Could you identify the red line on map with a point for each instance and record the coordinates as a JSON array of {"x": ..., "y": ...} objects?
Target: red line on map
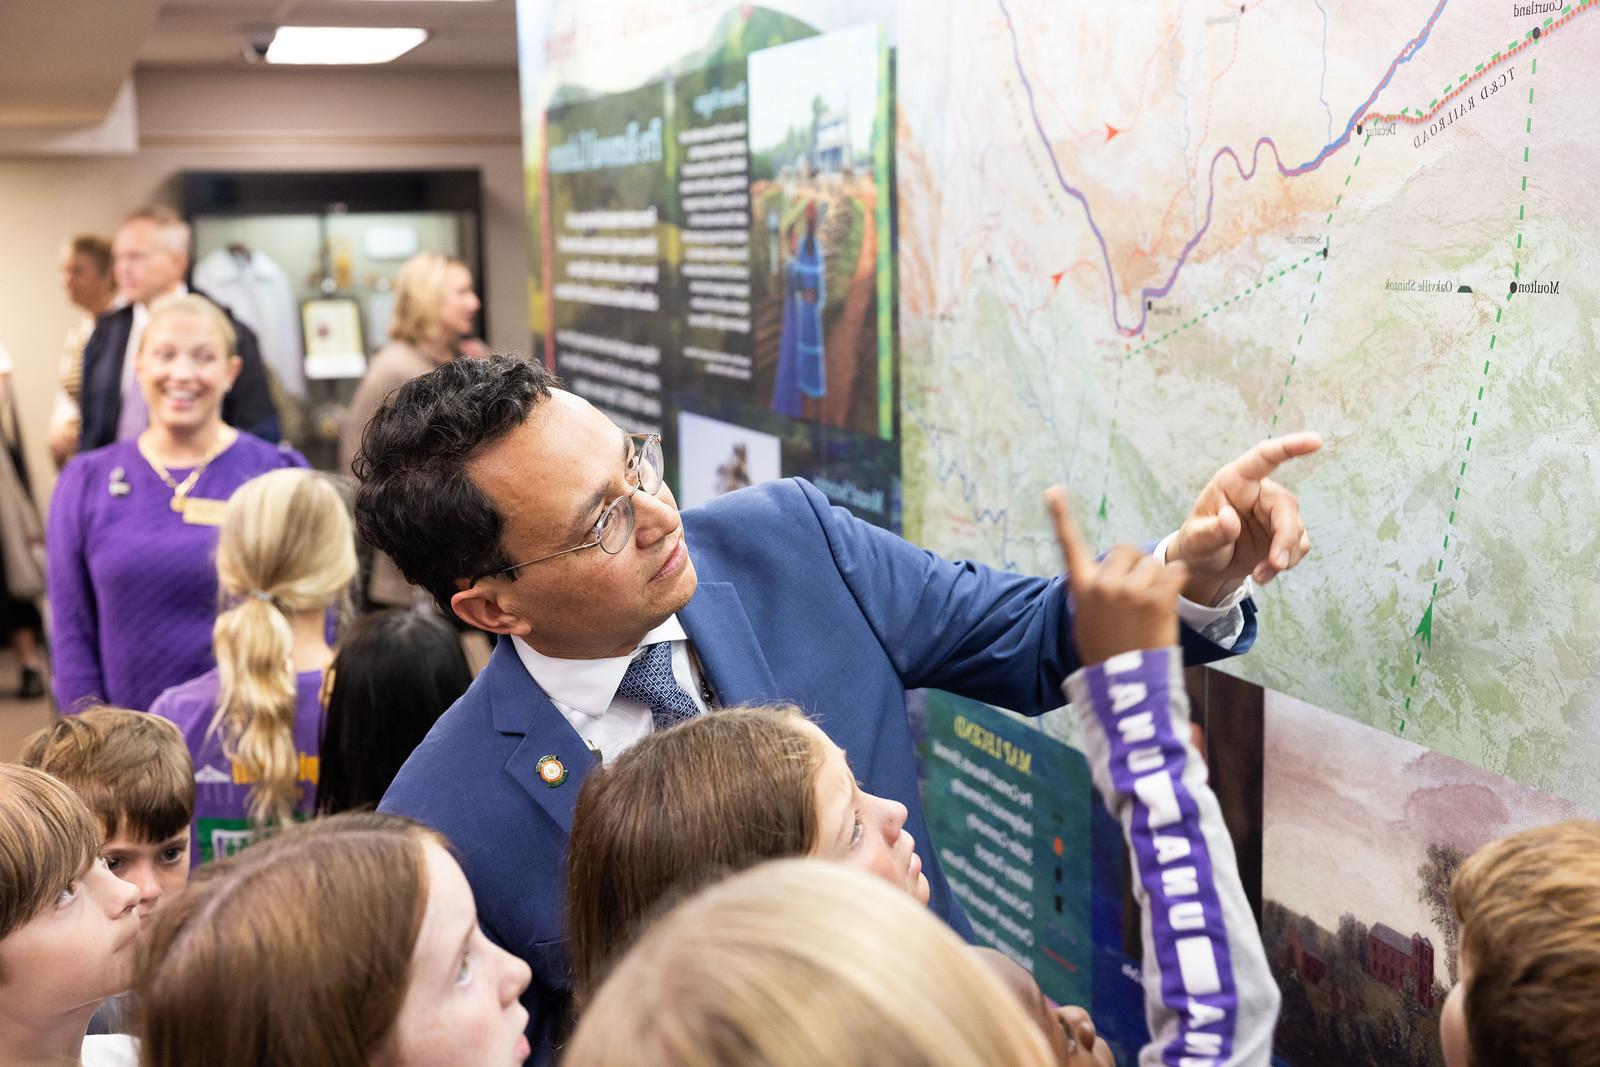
[{"x": 1493, "y": 64}]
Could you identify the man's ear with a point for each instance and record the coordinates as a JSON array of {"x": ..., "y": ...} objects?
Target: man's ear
[{"x": 478, "y": 606}]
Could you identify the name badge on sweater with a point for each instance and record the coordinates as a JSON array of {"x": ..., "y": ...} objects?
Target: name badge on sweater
[{"x": 203, "y": 511}]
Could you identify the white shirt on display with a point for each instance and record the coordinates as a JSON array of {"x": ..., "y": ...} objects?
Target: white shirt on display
[{"x": 258, "y": 293}]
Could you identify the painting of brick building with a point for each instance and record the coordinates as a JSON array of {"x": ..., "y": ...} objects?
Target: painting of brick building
[
  {"x": 1305, "y": 959},
  {"x": 1362, "y": 833},
  {"x": 1392, "y": 958}
]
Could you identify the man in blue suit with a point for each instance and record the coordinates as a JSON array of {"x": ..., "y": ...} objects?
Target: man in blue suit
[{"x": 531, "y": 515}]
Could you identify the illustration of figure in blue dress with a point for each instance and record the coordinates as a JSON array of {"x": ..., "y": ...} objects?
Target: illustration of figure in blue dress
[{"x": 801, "y": 368}]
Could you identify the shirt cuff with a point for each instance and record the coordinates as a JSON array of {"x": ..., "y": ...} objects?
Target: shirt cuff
[{"x": 1220, "y": 623}]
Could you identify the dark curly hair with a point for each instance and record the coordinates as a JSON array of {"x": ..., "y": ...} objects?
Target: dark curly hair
[{"x": 415, "y": 500}]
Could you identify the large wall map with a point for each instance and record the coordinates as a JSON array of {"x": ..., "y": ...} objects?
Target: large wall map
[{"x": 1122, "y": 264}]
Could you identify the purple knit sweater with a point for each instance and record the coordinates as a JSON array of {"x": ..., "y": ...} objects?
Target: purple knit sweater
[{"x": 132, "y": 587}]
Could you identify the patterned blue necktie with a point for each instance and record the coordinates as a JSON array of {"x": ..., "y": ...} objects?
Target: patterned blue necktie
[{"x": 649, "y": 681}]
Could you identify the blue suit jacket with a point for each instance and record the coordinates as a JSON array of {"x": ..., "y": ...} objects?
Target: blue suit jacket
[{"x": 797, "y": 601}]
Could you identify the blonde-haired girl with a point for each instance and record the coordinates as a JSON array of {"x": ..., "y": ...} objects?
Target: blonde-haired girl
[
  {"x": 285, "y": 560},
  {"x": 802, "y": 962}
]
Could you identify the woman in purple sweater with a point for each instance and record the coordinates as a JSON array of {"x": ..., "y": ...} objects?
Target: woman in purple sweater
[
  {"x": 133, "y": 525},
  {"x": 253, "y": 723}
]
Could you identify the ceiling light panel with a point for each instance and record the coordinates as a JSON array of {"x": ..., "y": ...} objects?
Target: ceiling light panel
[{"x": 343, "y": 44}]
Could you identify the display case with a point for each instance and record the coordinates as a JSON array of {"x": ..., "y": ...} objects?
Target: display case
[{"x": 308, "y": 258}]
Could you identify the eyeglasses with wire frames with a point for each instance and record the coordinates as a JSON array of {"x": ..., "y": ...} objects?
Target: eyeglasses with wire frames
[{"x": 614, "y": 529}]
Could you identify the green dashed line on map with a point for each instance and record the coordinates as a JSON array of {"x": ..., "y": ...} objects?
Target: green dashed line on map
[
  {"x": 1294, "y": 355},
  {"x": 1554, "y": 22},
  {"x": 1422, "y": 636},
  {"x": 1104, "y": 509},
  {"x": 1269, "y": 278},
  {"x": 1111, "y": 436}
]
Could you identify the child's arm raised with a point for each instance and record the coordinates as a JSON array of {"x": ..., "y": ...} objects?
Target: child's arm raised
[{"x": 1209, "y": 996}]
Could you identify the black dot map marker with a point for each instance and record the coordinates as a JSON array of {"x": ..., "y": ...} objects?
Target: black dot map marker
[
  {"x": 1536, "y": 33},
  {"x": 1513, "y": 289},
  {"x": 1358, "y": 129}
]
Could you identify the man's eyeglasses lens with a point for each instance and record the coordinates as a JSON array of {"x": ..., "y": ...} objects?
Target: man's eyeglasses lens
[{"x": 615, "y": 528}]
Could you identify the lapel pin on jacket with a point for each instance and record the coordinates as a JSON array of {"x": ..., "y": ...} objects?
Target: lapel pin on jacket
[
  {"x": 119, "y": 485},
  {"x": 551, "y": 771}
]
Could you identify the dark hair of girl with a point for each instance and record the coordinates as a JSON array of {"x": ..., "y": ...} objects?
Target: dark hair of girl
[{"x": 394, "y": 675}]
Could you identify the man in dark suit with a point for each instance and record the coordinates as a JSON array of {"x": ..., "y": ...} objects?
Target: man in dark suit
[
  {"x": 529, "y": 514},
  {"x": 150, "y": 256}
]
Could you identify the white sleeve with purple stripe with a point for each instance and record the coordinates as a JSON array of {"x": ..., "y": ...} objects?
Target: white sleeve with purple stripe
[{"x": 1209, "y": 997}]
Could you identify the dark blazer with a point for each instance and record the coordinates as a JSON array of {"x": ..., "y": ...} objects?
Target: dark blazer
[
  {"x": 796, "y": 601},
  {"x": 247, "y": 406}
]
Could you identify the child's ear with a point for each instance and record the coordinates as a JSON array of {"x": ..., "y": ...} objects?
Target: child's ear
[{"x": 1453, "y": 1040}]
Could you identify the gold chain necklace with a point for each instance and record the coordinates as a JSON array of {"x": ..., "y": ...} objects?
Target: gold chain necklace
[{"x": 181, "y": 490}]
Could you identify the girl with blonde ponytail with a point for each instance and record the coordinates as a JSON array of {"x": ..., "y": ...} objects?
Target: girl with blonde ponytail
[{"x": 285, "y": 560}]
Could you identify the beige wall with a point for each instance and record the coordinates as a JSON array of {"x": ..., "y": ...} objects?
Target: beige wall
[{"x": 255, "y": 119}]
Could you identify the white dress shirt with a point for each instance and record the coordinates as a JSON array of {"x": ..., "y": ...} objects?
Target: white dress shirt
[
  {"x": 141, "y": 315},
  {"x": 1220, "y": 623},
  {"x": 584, "y": 691}
]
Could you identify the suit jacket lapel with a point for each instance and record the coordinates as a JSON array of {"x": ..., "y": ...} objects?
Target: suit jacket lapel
[
  {"x": 720, "y": 631},
  {"x": 102, "y": 381},
  {"x": 733, "y": 661},
  {"x": 520, "y": 707}
]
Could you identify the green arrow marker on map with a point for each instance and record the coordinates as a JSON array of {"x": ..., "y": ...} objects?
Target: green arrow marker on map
[{"x": 1425, "y": 627}]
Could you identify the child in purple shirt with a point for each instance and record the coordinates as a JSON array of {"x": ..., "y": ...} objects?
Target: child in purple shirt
[
  {"x": 286, "y": 556},
  {"x": 221, "y": 786}
]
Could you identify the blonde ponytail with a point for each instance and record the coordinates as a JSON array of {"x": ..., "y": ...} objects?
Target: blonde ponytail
[
  {"x": 286, "y": 547},
  {"x": 256, "y": 706}
]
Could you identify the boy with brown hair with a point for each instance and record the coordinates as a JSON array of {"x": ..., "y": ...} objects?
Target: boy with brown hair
[
  {"x": 68, "y": 927},
  {"x": 1529, "y": 908},
  {"x": 134, "y": 772}
]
